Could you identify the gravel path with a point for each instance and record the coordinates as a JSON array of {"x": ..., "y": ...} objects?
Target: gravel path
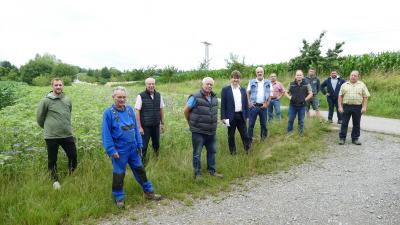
[{"x": 349, "y": 185}]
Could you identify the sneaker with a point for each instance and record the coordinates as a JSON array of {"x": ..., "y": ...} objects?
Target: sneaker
[
  {"x": 356, "y": 142},
  {"x": 341, "y": 142},
  {"x": 330, "y": 121},
  {"x": 339, "y": 122},
  {"x": 152, "y": 196},
  {"x": 56, "y": 185},
  {"x": 120, "y": 204},
  {"x": 215, "y": 174}
]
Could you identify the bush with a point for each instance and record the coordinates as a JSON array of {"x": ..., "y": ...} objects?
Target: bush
[
  {"x": 9, "y": 92},
  {"x": 67, "y": 81},
  {"x": 41, "y": 80}
]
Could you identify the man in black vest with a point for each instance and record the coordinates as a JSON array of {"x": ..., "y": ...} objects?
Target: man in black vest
[
  {"x": 299, "y": 92},
  {"x": 201, "y": 112},
  {"x": 150, "y": 116}
]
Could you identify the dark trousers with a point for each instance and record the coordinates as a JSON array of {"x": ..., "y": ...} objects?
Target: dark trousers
[
  {"x": 152, "y": 132},
  {"x": 353, "y": 111},
  {"x": 332, "y": 103},
  {"x": 239, "y": 123},
  {"x": 68, "y": 144}
]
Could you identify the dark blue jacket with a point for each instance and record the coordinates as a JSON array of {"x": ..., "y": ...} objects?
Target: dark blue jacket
[
  {"x": 327, "y": 84},
  {"x": 228, "y": 103}
]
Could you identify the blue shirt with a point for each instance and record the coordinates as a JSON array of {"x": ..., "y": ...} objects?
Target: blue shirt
[{"x": 191, "y": 103}]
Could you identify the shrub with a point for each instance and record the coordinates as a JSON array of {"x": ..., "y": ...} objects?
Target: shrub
[
  {"x": 41, "y": 80},
  {"x": 9, "y": 92}
]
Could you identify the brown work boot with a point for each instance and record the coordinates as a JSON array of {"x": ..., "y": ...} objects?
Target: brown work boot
[
  {"x": 215, "y": 174},
  {"x": 120, "y": 204},
  {"x": 152, "y": 196}
]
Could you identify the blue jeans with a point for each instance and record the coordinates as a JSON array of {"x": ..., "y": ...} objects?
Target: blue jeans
[
  {"x": 198, "y": 141},
  {"x": 253, "y": 113},
  {"x": 293, "y": 111},
  {"x": 274, "y": 104}
]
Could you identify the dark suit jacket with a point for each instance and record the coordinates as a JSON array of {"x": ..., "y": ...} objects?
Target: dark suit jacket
[
  {"x": 228, "y": 103},
  {"x": 327, "y": 84}
]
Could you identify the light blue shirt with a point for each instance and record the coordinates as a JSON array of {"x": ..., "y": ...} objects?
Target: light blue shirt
[{"x": 191, "y": 103}]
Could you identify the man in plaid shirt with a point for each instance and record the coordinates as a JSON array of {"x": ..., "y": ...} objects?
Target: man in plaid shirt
[{"x": 353, "y": 97}]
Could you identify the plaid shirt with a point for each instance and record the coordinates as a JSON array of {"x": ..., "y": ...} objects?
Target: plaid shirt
[{"x": 353, "y": 94}]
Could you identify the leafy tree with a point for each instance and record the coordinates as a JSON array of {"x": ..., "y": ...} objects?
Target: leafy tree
[
  {"x": 233, "y": 63},
  {"x": 40, "y": 65},
  {"x": 105, "y": 73},
  {"x": 64, "y": 70},
  {"x": 310, "y": 56}
]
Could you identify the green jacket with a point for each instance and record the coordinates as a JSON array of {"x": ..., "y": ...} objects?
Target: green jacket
[{"x": 54, "y": 116}]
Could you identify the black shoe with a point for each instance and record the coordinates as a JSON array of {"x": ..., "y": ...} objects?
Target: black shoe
[
  {"x": 339, "y": 122},
  {"x": 356, "y": 142},
  {"x": 341, "y": 142}
]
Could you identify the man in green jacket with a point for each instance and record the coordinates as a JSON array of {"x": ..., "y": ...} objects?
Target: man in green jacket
[{"x": 54, "y": 116}]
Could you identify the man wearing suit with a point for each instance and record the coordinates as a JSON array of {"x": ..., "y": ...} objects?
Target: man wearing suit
[
  {"x": 332, "y": 84},
  {"x": 234, "y": 112}
]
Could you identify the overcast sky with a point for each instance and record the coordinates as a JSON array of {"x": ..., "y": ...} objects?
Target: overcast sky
[{"x": 129, "y": 34}]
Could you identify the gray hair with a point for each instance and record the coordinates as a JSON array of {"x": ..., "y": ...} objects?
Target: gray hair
[
  {"x": 205, "y": 79},
  {"x": 356, "y": 72},
  {"x": 150, "y": 79},
  {"x": 119, "y": 88}
]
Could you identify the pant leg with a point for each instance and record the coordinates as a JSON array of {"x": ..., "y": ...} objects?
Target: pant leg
[
  {"x": 241, "y": 126},
  {"x": 277, "y": 106},
  {"x": 291, "y": 118},
  {"x": 253, "y": 112},
  {"x": 155, "y": 138},
  {"x": 146, "y": 138},
  {"x": 331, "y": 105},
  {"x": 197, "y": 143},
  {"x": 231, "y": 135},
  {"x": 271, "y": 111},
  {"x": 68, "y": 144},
  {"x": 210, "y": 145},
  {"x": 345, "y": 122},
  {"x": 356, "y": 116},
  {"x": 263, "y": 123},
  {"x": 138, "y": 171},
  {"x": 52, "y": 153},
  {"x": 301, "y": 114},
  {"x": 119, "y": 168},
  {"x": 336, "y": 104}
]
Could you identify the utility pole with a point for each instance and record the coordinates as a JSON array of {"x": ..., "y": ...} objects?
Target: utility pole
[{"x": 206, "y": 58}]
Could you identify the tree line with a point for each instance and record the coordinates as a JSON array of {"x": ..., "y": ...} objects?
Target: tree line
[{"x": 42, "y": 68}]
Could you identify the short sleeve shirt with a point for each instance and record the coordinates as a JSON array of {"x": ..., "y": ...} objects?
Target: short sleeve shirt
[
  {"x": 353, "y": 94},
  {"x": 138, "y": 105}
]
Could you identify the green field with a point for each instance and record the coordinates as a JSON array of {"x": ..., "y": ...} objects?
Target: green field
[{"x": 27, "y": 196}]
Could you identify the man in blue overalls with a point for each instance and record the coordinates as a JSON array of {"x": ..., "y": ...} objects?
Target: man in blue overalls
[{"x": 122, "y": 142}]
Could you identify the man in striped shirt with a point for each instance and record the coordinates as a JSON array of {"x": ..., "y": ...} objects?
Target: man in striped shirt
[{"x": 353, "y": 98}]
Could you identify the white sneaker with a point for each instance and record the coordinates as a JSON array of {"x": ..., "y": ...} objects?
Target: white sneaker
[{"x": 56, "y": 185}]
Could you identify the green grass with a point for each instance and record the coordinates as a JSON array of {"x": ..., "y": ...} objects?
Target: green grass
[{"x": 27, "y": 196}]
